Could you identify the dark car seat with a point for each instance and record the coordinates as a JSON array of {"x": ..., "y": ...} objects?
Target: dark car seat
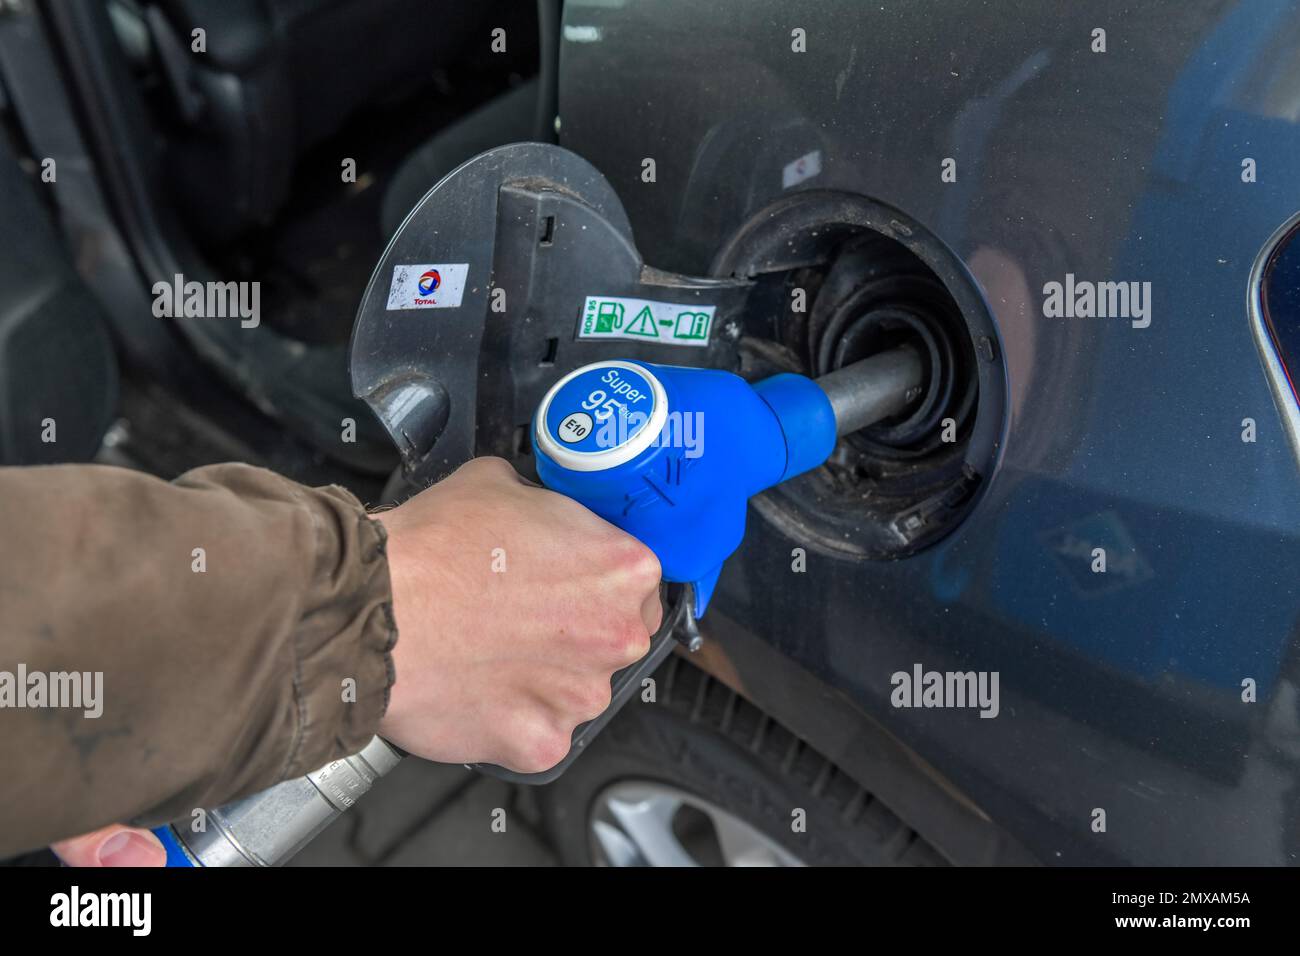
[
  {"x": 510, "y": 118},
  {"x": 281, "y": 75}
]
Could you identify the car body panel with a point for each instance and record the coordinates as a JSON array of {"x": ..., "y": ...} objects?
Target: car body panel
[{"x": 1120, "y": 691}]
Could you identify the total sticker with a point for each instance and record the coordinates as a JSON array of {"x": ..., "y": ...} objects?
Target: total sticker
[
  {"x": 643, "y": 320},
  {"x": 436, "y": 285}
]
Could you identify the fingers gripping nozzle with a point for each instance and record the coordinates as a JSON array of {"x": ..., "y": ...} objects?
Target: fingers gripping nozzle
[{"x": 672, "y": 455}]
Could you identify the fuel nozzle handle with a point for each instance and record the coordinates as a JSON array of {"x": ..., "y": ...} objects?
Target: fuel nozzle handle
[{"x": 672, "y": 455}]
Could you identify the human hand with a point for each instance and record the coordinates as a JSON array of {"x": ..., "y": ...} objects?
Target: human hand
[
  {"x": 114, "y": 845},
  {"x": 514, "y": 607}
]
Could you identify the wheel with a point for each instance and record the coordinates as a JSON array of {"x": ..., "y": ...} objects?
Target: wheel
[{"x": 702, "y": 777}]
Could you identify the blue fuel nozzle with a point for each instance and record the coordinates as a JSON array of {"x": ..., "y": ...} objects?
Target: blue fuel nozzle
[{"x": 672, "y": 455}]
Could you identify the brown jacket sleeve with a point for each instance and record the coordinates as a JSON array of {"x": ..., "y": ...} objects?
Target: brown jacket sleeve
[{"x": 221, "y": 617}]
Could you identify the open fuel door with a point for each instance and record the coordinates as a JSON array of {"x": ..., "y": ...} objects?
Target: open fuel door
[{"x": 515, "y": 269}]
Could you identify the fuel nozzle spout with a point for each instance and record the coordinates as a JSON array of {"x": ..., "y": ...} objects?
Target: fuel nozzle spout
[
  {"x": 812, "y": 414},
  {"x": 873, "y": 389}
]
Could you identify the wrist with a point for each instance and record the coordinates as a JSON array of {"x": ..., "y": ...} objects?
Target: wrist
[{"x": 401, "y": 612}]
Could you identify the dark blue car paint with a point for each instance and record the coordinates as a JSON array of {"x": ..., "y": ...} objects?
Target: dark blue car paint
[{"x": 1124, "y": 691}]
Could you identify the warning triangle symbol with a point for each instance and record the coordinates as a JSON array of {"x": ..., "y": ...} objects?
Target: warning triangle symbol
[{"x": 644, "y": 324}]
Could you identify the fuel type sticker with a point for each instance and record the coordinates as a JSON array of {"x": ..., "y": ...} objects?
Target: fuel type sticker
[
  {"x": 433, "y": 286},
  {"x": 640, "y": 320}
]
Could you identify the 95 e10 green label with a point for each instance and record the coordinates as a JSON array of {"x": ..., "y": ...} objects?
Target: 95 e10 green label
[{"x": 641, "y": 320}]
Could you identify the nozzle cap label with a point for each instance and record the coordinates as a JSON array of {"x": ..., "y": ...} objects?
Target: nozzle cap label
[{"x": 601, "y": 415}]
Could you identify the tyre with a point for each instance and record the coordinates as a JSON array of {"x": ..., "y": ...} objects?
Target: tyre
[{"x": 702, "y": 777}]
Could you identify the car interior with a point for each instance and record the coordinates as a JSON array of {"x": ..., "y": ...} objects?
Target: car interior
[{"x": 287, "y": 153}]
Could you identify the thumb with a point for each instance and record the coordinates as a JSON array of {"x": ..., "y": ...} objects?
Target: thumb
[{"x": 114, "y": 845}]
